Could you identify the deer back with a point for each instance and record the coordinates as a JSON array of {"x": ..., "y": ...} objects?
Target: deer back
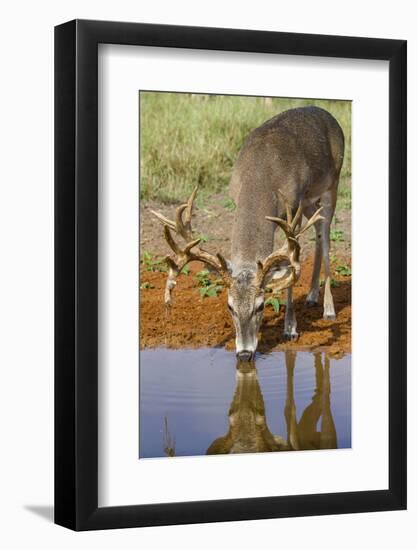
[{"x": 298, "y": 153}]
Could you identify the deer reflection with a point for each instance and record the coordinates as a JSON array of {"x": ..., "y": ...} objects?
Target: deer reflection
[
  {"x": 168, "y": 440},
  {"x": 248, "y": 429},
  {"x": 304, "y": 434}
]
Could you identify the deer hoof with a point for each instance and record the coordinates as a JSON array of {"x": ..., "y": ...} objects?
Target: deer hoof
[
  {"x": 291, "y": 336},
  {"x": 311, "y": 303},
  {"x": 329, "y": 316}
]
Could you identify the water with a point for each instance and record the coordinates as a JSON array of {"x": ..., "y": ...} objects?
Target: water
[{"x": 194, "y": 402}]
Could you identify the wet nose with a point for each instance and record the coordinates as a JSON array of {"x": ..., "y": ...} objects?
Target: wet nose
[{"x": 244, "y": 355}]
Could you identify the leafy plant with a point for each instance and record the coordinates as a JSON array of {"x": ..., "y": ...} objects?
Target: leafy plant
[
  {"x": 333, "y": 283},
  {"x": 229, "y": 204},
  {"x": 151, "y": 264},
  {"x": 274, "y": 302},
  {"x": 146, "y": 285},
  {"x": 207, "y": 287},
  {"x": 186, "y": 270},
  {"x": 343, "y": 270},
  {"x": 203, "y": 277},
  {"x": 203, "y": 238},
  {"x": 211, "y": 291},
  {"x": 337, "y": 235}
]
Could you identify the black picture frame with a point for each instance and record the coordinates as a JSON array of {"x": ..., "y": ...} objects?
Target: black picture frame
[{"x": 76, "y": 272}]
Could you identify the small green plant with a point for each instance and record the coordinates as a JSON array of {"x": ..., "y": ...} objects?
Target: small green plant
[
  {"x": 146, "y": 285},
  {"x": 186, "y": 270},
  {"x": 274, "y": 302},
  {"x": 151, "y": 264},
  {"x": 146, "y": 257},
  {"x": 203, "y": 277},
  {"x": 207, "y": 287},
  {"x": 211, "y": 291},
  {"x": 333, "y": 283},
  {"x": 343, "y": 270},
  {"x": 229, "y": 204},
  {"x": 203, "y": 238},
  {"x": 337, "y": 235}
]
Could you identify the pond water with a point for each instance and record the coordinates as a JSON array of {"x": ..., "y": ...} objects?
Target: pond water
[{"x": 197, "y": 402}]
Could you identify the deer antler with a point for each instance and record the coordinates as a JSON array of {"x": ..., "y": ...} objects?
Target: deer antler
[
  {"x": 290, "y": 252},
  {"x": 183, "y": 256}
]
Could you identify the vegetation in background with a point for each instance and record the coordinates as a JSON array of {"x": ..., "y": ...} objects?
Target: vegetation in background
[
  {"x": 150, "y": 264},
  {"x": 343, "y": 270},
  {"x": 344, "y": 194},
  {"x": 206, "y": 286},
  {"x": 333, "y": 283},
  {"x": 274, "y": 302},
  {"x": 337, "y": 235},
  {"x": 146, "y": 286},
  {"x": 229, "y": 204},
  {"x": 194, "y": 139}
]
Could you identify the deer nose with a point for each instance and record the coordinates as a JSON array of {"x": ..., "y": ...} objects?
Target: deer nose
[{"x": 244, "y": 355}]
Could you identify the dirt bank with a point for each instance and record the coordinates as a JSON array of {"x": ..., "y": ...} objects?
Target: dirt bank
[
  {"x": 193, "y": 321},
  {"x": 214, "y": 221}
]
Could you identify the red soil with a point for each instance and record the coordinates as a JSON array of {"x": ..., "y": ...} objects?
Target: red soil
[{"x": 194, "y": 322}]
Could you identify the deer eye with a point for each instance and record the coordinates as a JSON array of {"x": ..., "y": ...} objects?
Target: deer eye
[{"x": 260, "y": 308}]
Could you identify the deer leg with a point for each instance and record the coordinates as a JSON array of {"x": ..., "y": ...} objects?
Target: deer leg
[
  {"x": 328, "y": 436},
  {"x": 314, "y": 293},
  {"x": 329, "y": 312},
  {"x": 290, "y": 322},
  {"x": 329, "y": 203},
  {"x": 289, "y": 409}
]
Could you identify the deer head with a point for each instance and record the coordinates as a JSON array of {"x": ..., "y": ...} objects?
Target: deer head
[
  {"x": 246, "y": 287},
  {"x": 248, "y": 427}
]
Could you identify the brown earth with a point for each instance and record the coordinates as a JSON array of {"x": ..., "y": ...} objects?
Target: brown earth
[
  {"x": 194, "y": 322},
  {"x": 213, "y": 220}
]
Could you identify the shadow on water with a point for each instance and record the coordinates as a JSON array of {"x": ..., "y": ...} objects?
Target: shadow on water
[{"x": 195, "y": 402}]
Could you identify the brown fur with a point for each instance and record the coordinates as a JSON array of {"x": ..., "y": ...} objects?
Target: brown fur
[{"x": 300, "y": 153}]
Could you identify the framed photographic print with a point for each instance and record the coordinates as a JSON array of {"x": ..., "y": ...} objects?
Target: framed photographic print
[{"x": 230, "y": 253}]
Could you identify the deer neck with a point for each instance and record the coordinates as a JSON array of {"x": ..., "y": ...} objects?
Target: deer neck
[{"x": 252, "y": 235}]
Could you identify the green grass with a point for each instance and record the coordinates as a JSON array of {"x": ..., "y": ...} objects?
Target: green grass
[
  {"x": 344, "y": 195},
  {"x": 187, "y": 140},
  {"x": 337, "y": 235}
]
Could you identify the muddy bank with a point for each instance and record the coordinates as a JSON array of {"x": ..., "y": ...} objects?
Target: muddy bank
[{"x": 194, "y": 322}]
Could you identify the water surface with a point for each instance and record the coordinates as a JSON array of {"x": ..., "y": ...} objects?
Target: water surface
[{"x": 197, "y": 402}]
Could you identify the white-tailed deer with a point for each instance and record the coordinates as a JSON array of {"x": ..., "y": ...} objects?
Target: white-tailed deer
[{"x": 287, "y": 168}]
